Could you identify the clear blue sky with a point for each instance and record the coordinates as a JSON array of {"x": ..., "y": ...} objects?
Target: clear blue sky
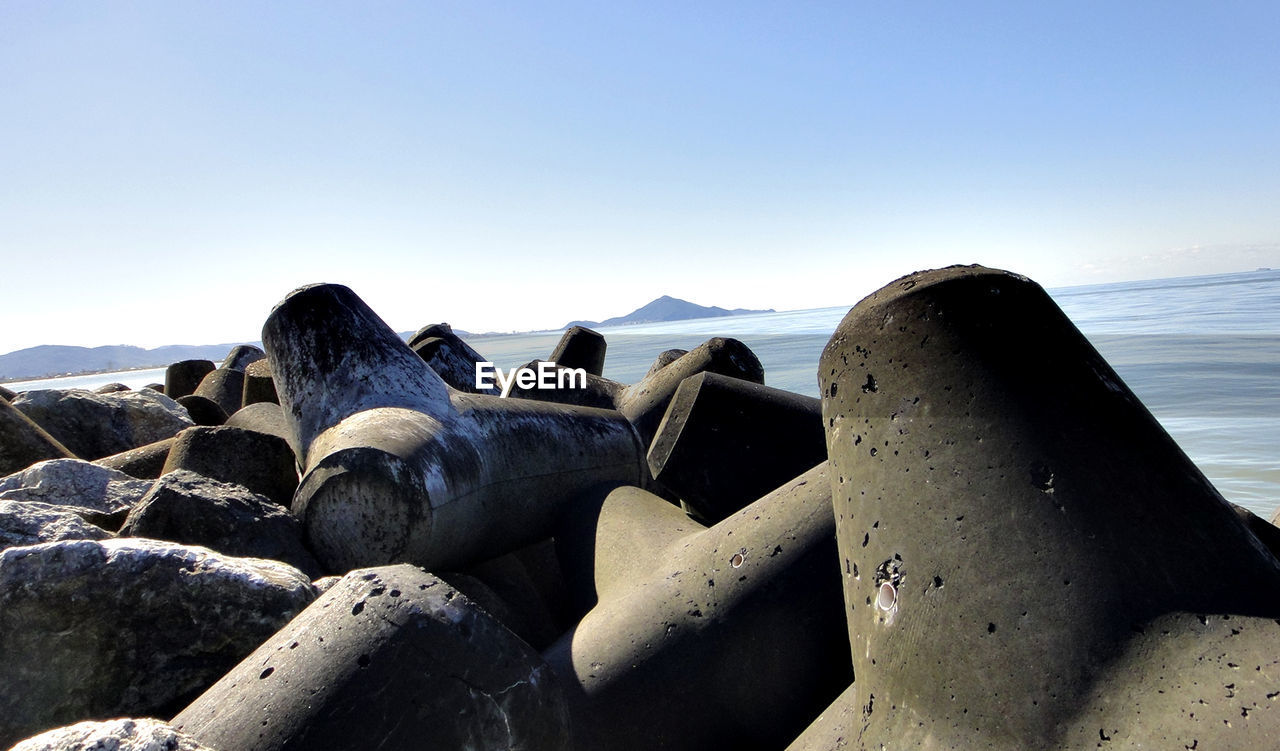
[{"x": 171, "y": 169}]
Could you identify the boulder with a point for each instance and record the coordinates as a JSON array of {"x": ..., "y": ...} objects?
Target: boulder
[
  {"x": 96, "y": 425},
  {"x": 1030, "y": 561},
  {"x": 191, "y": 509},
  {"x": 391, "y": 658},
  {"x": 99, "y": 494},
  {"x": 113, "y": 735},
  {"x": 29, "y": 523},
  {"x": 261, "y": 462},
  {"x": 181, "y": 378},
  {"x": 23, "y": 442},
  {"x": 96, "y": 629}
]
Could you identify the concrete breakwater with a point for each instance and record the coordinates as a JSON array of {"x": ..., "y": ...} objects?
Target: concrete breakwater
[{"x": 977, "y": 538}]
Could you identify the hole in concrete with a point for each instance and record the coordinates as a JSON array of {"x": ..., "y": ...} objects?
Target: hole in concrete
[{"x": 887, "y": 597}]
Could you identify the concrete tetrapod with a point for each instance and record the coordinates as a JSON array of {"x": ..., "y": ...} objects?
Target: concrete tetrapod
[
  {"x": 449, "y": 356},
  {"x": 1030, "y": 561},
  {"x": 728, "y": 637},
  {"x": 724, "y": 442},
  {"x": 388, "y": 658},
  {"x": 581, "y": 347},
  {"x": 398, "y": 466}
]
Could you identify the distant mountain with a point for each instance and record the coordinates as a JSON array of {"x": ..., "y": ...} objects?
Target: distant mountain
[
  {"x": 54, "y": 359},
  {"x": 666, "y": 308}
]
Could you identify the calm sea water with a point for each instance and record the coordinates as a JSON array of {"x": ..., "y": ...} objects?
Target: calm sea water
[{"x": 1203, "y": 353}]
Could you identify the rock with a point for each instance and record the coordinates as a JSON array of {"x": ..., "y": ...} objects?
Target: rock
[
  {"x": 182, "y": 378},
  {"x": 728, "y": 637},
  {"x": 242, "y": 356},
  {"x": 258, "y": 384},
  {"x": 27, "y": 523},
  {"x": 224, "y": 387},
  {"x": 397, "y": 466},
  {"x": 101, "y": 495},
  {"x": 203, "y": 410},
  {"x": 96, "y": 425},
  {"x": 23, "y": 442},
  {"x": 580, "y": 347},
  {"x": 155, "y": 387},
  {"x": 724, "y": 442},
  {"x": 145, "y": 462},
  {"x": 113, "y": 735},
  {"x": 95, "y": 629},
  {"x": 191, "y": 509},
  {"x": 111, "y": 388},
  {"x": 1031, "y": 561},
  {"x": 261, "y": 462},
  {"x": 664, "y": 359},
  {"x": 391, "y": 657}
]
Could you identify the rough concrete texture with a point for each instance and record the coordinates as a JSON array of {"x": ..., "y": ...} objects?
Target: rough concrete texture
[
  {"x": 258, "y": 383},
  {"x": 181, "y": 378},
  {"x": 23, "y": 442},
  {"x": 266, "y": 418},
  {"x": 397, "y": 466},
  {"x": 449, "y": 356},
  {"x": 581, "y": 347},
  {"x": 1030, "y": 562},
  {"x": 93, "y": 425},
  {"x": 259, "y": 461},
  {"x": 728, "y": 637},
  {"x": 203, "y": 410},
  {"x": 100, "y": 494},
  {"x": 242, "y": 356},
  {"x": 145, "y": 462},
  {"x": 95, "y": 629},
  {"x": 724, "y": 442},
  {"x": 192, "y": 509},
  {"x": 665, "y": 358},
  {"x": 834, "y": 729},
  {"x": 391, "y": 658},
  {"x": 30, "y": 523},
  {"x": 113, "y": 735},
  {"x": 224, "y": 387}
]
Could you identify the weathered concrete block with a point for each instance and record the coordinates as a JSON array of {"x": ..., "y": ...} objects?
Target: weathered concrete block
[
  {"x": 99, "y": 494},
  {"x": 724, "y": 442},
  {"x": 242, "y": 356},
  {"x": 224, "y": 387},
  {"x": 30, "y": 523},
  {"x": 390, "y": 657},
  {"x": 728, "y": 637},
  {"x": 259, "y": 461},
  {"x": 23, "y": 442},
  {"x": 93, "y": 425},
  {"x": 203, "y": 410},
  {"x": 111, "y": 388},
  {"x": 664, "y": 359},
  {"x": 258, "y": 384},
  {"x": 145, "y": 462},
  {"x": 191, "y": 509},
  {"x": 95, "y": 629},
  {"x": 181, "y": 378},
  {"x": 581, "y": 347},
  {"x": 449, "y": 356},
  {"x": 1030, "y": 562},
  {"x": 397, "y": 466},
  {"x": 113, "y": 735}
]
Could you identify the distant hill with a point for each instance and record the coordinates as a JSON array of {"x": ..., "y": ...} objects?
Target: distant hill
[
  {"x": 55, "y": 359},
  {"x": 666, "y": 308}
]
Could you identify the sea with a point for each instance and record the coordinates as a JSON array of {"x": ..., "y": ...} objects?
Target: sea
[{"x": 1203, "y": 353}]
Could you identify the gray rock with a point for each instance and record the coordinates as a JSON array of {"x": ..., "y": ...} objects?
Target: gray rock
[
  {"x": 113, "y": 735},
  {"x": 96, "y": 425},
  {"x": 188, "y": 508},
  {"x": 96, "y": 629},
  {"x": 34, "y": 523},
  {"x": 99, "y": 494},
  {"x": 391, "y": 658}
]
